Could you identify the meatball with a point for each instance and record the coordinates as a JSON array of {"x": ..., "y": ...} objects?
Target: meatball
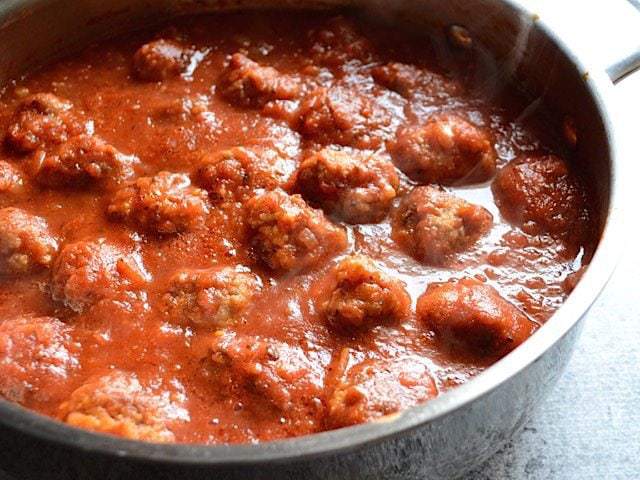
[
  {"x": 409, "y": 80},
  {"x": 161, "y": 59},
  {"x": 374, "y": 388},
  {"x": 472, "y": 317},
  {"x": 364, "y": 296},
  {"x": 447, "y": 149},
  {"x": 212, "y": 297},
  {"x": 11, "y": 181},
  {"x": 82, "y": 161},
  {"x": 342, "y": 116},
  {"x": 249, "y": 84},
  {"x": 338, "y": 43},
  {"x": 42, "y": 120},
  {"x": 284, "y": 376},
  {"x": 432, "y": 224},
  {"x": 164, "y": 204},
  {"x": 87, "y": 272},
  {"x": 117, "y": 404},
  {"x": 541, "y": 195},
  {"x": 230, "y": 175},
  {"x": 287, "y": 235},
  {"x": 359, "y": 188},
  {"x": 26, "y": 244},
  {"x": 36, "y": 355}
]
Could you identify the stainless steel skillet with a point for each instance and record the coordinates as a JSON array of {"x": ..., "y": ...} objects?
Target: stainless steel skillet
[{"x": 443, "y": 438}]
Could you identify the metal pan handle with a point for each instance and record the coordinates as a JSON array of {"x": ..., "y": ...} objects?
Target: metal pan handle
[{"x": 629, "y": 61}]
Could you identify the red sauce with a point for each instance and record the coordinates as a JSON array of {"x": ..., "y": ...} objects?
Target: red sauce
[{"x": 248, "y": 227}]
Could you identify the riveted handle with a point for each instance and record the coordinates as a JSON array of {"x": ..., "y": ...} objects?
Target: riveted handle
[{"x": 629, "y": 61}]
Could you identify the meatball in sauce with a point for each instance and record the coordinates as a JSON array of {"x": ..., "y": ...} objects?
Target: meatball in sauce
[
  {"x": 447, "y": 149},
  {"x": 357, "y": 188},
  {"x": 432, "y": 224}
]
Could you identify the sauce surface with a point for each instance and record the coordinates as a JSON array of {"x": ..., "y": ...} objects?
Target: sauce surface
[{"x": 247, "y": 227}]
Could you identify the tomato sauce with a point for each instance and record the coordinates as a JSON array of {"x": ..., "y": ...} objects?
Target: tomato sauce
[{"x": 254, "y": 226}]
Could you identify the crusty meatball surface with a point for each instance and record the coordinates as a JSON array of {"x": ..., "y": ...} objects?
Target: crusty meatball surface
[
  {"x": 117, "y": 404},
  {"x": 339, "y": 42},
  {"x": 26, "y": 244},
  {"x": 161, "y": 59},
  {"x": 248, "y": 84},
  {"x": 357, "y": 187},
  {"x": 41, "y": 120},
  {"x": 166, "y": 203},
  {"x": 287, "y": 235},
  {"x": 83, "y": 160},
  {"x": 473, "y": 317},
  {"x": 432, "y": 225},
  {"x": 541, "y": 194},
  {"x": 409, "y": 80},
  {"x": 232, "y": 174},
  {"x": 11, "y": 179},
  {"x": 277, "y": 374},
  {"x": 342, "y": 116},
  {"x": 36, "y": 355},
  {"x": 87, "y": 272},
  {"x": 212, "y": 297},
  {"x": 364, "y": 296},
  {"x": 447, "y": 149},
  {"x": 371, "y": 389}
]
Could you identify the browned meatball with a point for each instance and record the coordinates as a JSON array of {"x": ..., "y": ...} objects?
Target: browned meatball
[
  {"x": 338, "y": 43},
  {"x": 472, "y": 317},
  {"x": 286, "y": 234},
  {"x": 86, "y": 272},
  {"x": 372, "y": 389},
  {"x": 541, "y": 194},
  {"x": 342, "y": 116},
  {"x": 249, "y": 84},
  {"x": 432, "y": 224},
  {"x": 357, "y": 187},
  {"x": 161, "y": 59},
  {"x": 277, "y": 374},
  {"x": 25, "y": 242},
  {"x": 213, "y": 297},
  {"x": 230, "y": 175},
  {"x": 11, "y": 180},
  {"x": 409, "y": 80},
  {"x": 364, "y": 296},
  {"x": 117, "y": 404},
  {"x": 42, "y": 120},
  {"x": 36, "y": 355},
  {"x": 165, "y": 203},
  {"x": 447, "y": 149},
  {"x": 82, "y": 161}
]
